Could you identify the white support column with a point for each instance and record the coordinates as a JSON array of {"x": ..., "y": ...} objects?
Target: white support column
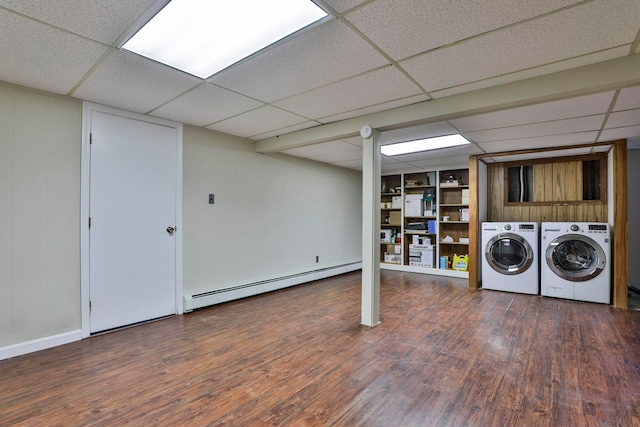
[{"x": 370, "y": 227}]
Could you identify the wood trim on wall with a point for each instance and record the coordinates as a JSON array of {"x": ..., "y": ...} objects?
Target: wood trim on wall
[
  {"x": 473, "y": 223},
  {"x": 620, "y": 225}
]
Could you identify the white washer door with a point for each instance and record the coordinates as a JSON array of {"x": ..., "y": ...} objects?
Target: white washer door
[
  {"x": 575, "y": 257},
  {"x": 508, "y": 254}
]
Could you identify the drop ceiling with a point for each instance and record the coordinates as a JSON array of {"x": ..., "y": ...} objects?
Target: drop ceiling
[{"x": 373, "y": 56}]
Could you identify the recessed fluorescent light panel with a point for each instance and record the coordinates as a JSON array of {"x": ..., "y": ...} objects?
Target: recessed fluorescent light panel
[
  {"x": 203, "y": 37},
  {"x": 423, "y": 145}
]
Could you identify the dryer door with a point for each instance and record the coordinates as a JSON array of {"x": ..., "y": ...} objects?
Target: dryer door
[
  {"x": 509, "y": 254},
  {"x": 575, "y": 257}
]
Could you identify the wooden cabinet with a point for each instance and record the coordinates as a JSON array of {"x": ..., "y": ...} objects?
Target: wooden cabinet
[{"x": 418, "y": 211}]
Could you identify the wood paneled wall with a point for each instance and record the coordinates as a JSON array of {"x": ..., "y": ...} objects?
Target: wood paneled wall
[
  {"x": 557, "y": 194},
  {"x": 557, "y": 184}
]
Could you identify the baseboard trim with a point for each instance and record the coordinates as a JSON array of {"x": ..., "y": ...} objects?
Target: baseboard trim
[
  {"x": 425, "y": 270},
  {"x": 39, "y": 344},
  {"x": 205, "y": 299}
]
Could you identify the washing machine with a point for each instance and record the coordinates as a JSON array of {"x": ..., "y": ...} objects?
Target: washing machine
[
  {"x": 510, "y": 257},
  {"x": 575, "y": 261}
]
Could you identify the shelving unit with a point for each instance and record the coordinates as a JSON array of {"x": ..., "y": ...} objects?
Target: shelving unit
[
  {"x": 420, "y": 219},
  {"x": 454, "y": 215},
  {"x": 391, "y": 217},
  {"x": 412, "y": 212}
]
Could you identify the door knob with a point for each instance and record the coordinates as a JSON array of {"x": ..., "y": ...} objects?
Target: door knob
[{"x": 170, "y": 230}]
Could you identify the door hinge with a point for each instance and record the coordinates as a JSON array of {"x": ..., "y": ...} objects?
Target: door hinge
[
  {"x": 89, "y": 306},
  {"x": 89, "y": 222},
  {"x": 90, "y": 138}
]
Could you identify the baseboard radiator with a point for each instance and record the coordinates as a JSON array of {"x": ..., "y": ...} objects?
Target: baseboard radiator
[{"x": 205, "y": 299}]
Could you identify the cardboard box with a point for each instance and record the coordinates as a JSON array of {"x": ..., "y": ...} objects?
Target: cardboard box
[
  {"x": 418, "y": 240},
  {"x": 464, "y": 214},
  {"x": 385, "y": 236},
  {"x": 422, "y": 256},
  {"x": 413, "y": 205},
  {"x": 392, "y": 258},
  {"x": 465, "y": 196},
  {"x": 431, "y": 226},
  {"x": 395, "y": 218},
  {"x": 396, "y": 202}
]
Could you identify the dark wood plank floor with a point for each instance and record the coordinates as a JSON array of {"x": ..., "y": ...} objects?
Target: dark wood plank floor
[{"x": 442, "y": 356}]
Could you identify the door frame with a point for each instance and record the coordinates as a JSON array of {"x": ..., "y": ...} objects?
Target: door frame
[{"x": 88, "y": 109}]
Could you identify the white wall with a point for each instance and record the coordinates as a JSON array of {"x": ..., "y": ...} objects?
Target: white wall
[
  {"x": 40, "y": 138},
  {"x": 272, "y": 214},
  {"x": 633, "y": 178}
]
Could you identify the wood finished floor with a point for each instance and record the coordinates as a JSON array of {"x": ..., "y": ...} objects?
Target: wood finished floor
[{"x": 442, "y": 356}]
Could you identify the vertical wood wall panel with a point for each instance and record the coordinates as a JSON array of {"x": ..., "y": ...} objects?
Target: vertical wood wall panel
[
  {"x": 474, "y": 234},
  {"x": 6, "y": 215},
  {"x": 560, "y": 182},
  {"x": 30, "y": 217},
  {"x": 539, "y": 180},
  {"x": 40, "y": 140},
  {"x": 63, "y": 216},
  {"x": 495, "y": 194},
  {"x": 621, "y": 226},
  {"x": 557, "y": 194}
]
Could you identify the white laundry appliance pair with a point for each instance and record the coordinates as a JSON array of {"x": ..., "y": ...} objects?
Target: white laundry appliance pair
[{"x": 570, "y": 260}]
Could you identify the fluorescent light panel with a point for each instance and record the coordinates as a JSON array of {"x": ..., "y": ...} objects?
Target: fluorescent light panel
[
  {"x": 203, "y": 37},
  {"x": 423, "y": 145}
]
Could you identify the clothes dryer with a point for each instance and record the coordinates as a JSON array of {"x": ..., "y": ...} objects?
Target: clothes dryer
[
  {"x": 575, "y": 261},
  {"x": 510, "y": 257}
]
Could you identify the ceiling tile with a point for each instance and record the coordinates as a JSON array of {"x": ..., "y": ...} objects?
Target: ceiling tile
[
  {"x": 258, "y": 121},
  {"x": 365, "y": 90},
  {"x": 620, "y": 133},
  {"x": 39, "y": 56},
  {"x": 350, "y": 164},
  {"x": 581, "y": 30},
  {"x": 559, "y": 127},
  {"x": 375, "y": 109},
  {"x": 323, "y": 55},
  {"x": 205, "y": 105},
  {"x": 387, "y": 160},
  {"x": 104, "y": 21},
  {"x": 628, "y": 98},
  {"x": 547, "y": 111},
  {"x": 397, "y": 168},
  {"x": 539, "y": 142},
  {"x": 134, "y": 83},
  {"x": 580, "y": 61},
  {"x": 341, "y": 6},
  {"x": 332, "y": 157},
  {"x": 411, "y": 27},
  {"x": 623, "y": 118},
  {"x": 356, "y": 141},
  {"x": 286, "y": 130},
  {"x": 443, "y": 162}
]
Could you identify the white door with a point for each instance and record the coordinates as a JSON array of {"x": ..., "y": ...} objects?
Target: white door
[{"x": 132, "y": 209}]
